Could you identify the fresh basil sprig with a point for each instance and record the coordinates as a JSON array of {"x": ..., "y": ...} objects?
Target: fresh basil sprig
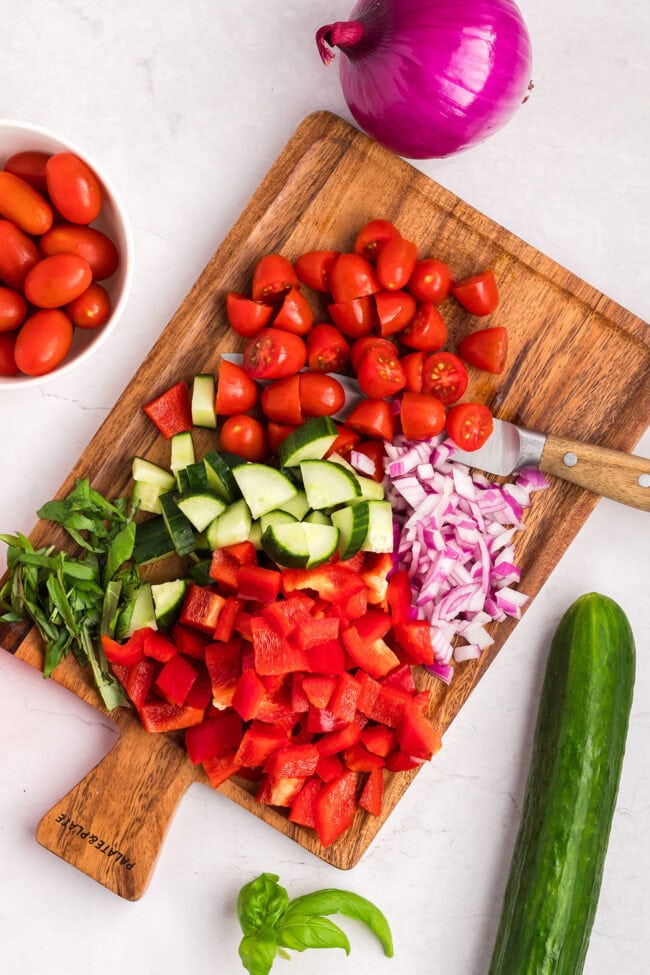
[{"x": 271, "y": 922}]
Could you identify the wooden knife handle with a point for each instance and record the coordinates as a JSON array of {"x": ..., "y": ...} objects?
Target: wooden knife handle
[
  {"x": 112, "y": 824},
  {"x": 610, "y": 473}
]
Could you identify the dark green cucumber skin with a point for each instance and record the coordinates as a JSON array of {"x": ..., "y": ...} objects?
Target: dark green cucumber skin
[{"x": 557, "y": 866}]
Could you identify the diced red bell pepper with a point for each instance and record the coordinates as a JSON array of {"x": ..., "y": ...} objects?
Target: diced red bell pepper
[
  {"x": 159, "y": 716},
  {"x": 372, "y": 794},
  {"x": 221, "y": 768},
  {"x": 126, "y": 654},
  {"x": 416, "y": 735},
  {"x": 401, "y": 677},
  {"x": 343, "y": 702},
  {"x": 379, "y": 739},
  {"x": 248, "y": 695},
  {"x": 423, "y": 700},
  {"x": 401, "y": 761},
  {"x": 243, "y": 622},
  {"x": 414, "y": 638},
  {"x": 304, "y": 805},
  {"x": 158, "y": 647},
  {"x": 285, "y": 614},
  {"x": 247, "y": 656},
  {"x": 243, "y": 553},
  {"x": 138, "y": 681},
  {"x": 389, "y": 706},
  {"x": 217, "y": 735},
  {"x": 122, "y": 673},
  {"x": 373, "y": 625},
  {"x": 309, "y": 633},
  {"x": 223, "y": 569},
  {"x": 261, "y": 585},
  {"x": 226, "y": 623},
  {"x": 335, "y": 807},
  {"x": 299, "y": 700},
  {"x": 345, "y": 441},
  {"x": 333, "y": 583},
  {"x": 326, "y": 658},
  {"x": 171, "y": 411},
  {"x": 329, "y": 767},
  {"x": 223, "y": 661},
  {"x": 319, "y": 690},
  {"x": 320, "y": 721},
  {"x": 375, "y": 576},
  {"x": 273, "y": 654},
  {"x": 201, "y": 608},
  {"x": 200, "y": 694},
  {"x": 370, "y": 689},
  {"x": 175, "y": 679},
  {"x": 359, "y": 759},
  {"x": 355, "y": 605},
  {"x": 260, "y": 740},
  {"x": 274, "y": 682},
  {"x": 190, "y": 642},
  {"x": 336, "y": 741},
  {"x": 276, "y": 708},
  {"x": 279, "y": 792},
  {"x": 375, "y": 657},
  {"x": 356, "y": 562},
  {"x": 399, "y": 596},
  {"x": 292, "y": 761}
]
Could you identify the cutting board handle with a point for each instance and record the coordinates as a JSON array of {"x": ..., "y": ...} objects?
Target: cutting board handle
[{"x": 112, "y": 824}]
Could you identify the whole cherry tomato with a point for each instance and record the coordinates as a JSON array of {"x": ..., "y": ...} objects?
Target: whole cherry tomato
[
  {"x": 272, "y": 278},
  {"x": 8, "y": 365},
  {"x": 245, "y": 436},
  {"x": 395, "y": 263},
  {"x": 23, "y": 205},
  {"x": 327, "y": 349},
  {"x": 412, "y": 365},
  {"x": 479, "y": 295},
  {"x": 294, "y": 314},
  {"x": 247, "y": 317},
  {"x": 421, "y": 416},
  {"x": 320, "y": 395},
  {"x": 350, "y": 277},
  {"x": 12, "y": 309},
  {"x": 486, "y": 349},
  {"x": 29, "y": 166},
  {"x": 373, "y": 236},
  {"x": 276, "y": 433},
  {"x": 281, "y": 402},
  {"x": 57, "y": 280},
  {"x": 313, "y": 268},
  {"x": 94, "y": 246},
  {"x": 427, "y": 331},
  {"x": 91, "y": 309},
  {"x": 372, "y": 418},
  {"x": 444, "y": 376},
  {"x": 469, "y": 425},
  {"x": 73, "y": 187},
  {"x": 236, "y": 391},
  {"x": 18, "y": 255},
  {"x": 345, "y": 441},
  {"x": 395, "y": 309},
  {"x": 361, "y": 346},
  {"x": 380, "y": 373},
  {"x": 43, "y": 342},
  {"x": 274, "y": 354},
  {"x": 431, "y": 281},
  {"x": 373, "y": 450}
]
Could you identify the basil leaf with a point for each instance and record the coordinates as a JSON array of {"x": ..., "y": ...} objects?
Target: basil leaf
[
  {"x": 261, "y": 902},
  {"x": 257, "y": 952},
  {"x": 120, "y": 551},
  {"x": 302, "y": 931},
  {"x": 333, "y": 901}
]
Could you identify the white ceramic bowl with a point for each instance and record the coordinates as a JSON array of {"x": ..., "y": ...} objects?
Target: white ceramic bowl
[{"x": 21, "y": 136}]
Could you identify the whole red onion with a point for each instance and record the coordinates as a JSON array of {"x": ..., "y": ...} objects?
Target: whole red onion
[{"x": 427, "y": 78}]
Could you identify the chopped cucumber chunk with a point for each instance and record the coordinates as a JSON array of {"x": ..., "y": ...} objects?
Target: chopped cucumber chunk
[
  {"x": 380, "y": 528},
  {"x": 201, "y": 508},
  {"x": 231, "y": 527},
  {"x": 152, "y": 541},
  {"x": 203, "y": 402},
  {"x": 179, "y": 527},
  {"x": 328, "y": 484},
  {"x": 255, "y": 535},
  {"x": 276, "y": 517},
  {"x": 318, "y": 518},
  {"x": 193, "y": 478},
  {"x": 352, "y": 523},
  {"x": 322, "y": 541},
  {"x": 182, "y": 451},
  {"x": 297, "y": 506},
  {"x": 263, "y": 488},
  {"x": 311, "y": 441},
  {"x": 149, "y": 473},
  {"x": 146, "y": 497},
  {"x": 287, "y": 545},
  {"x": 138, "y": 613},
  {"x": 167, "y": 600},
  {"x": 220, "y": 477}
]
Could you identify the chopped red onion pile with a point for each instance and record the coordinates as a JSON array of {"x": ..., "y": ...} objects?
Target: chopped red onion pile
[{"x": 454, "y": 535}]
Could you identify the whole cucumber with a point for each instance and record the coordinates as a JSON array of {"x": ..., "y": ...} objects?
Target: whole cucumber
[{"x": 557, "y": 865}]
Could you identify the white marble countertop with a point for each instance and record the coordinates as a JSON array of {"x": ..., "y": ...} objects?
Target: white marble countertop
[{"x": 186, "y": 106}]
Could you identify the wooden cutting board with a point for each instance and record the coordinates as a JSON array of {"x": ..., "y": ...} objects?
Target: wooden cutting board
[{"x": 579, "y": 366}]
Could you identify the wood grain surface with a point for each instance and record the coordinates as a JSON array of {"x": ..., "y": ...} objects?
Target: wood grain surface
[{"x": 578, "y": 365}]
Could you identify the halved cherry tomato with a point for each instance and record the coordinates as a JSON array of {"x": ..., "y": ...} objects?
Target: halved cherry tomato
[
  {"x": 361, "y": 346},
  {"x": 486, "y": 349},
  {"x": 294, "y": 315},
  {"x": 431, "y": 281},
  {"x": 327, "y": 349},
  {"x": 43, "y": 342},
  {"x": 469, "y": 425},
  {"x": 479, "y": 294},
  {"x": 380, "y": 373},
  {"x": 421, "y": 416},
  {"x": 313, "y": 268},
  {"x": 345, "y": 441},
  {"x": 73, "y": 187},
  {"x": 374, "y": 451},
  {"x": 236, "y": 391},
  {"x": 12, "y": 309},
  {"x": 372, "y": 237},
  {"x": 18, "y": 255},
  {"x": 280, "y": 401},
  {"x": 94, "y": 246},
  {"x": 274, "y": 354},
  {"x": 272, "y": 278},
  {"x": 276, "y": 433},
  {"x": 8, "y": 365},
  {"x": 427, "y": 331},
  {"x": 372, "y": 418},
  {"x": 354, "y": 318},
  {"x": 395, "y": 263},
  {"x": 247, "y": 317},
  {"x": 30, "y": 166},
  {"x": 350, "y": 277},
  {"x": 91, "y": 308},
  {"x": 23, "y": 205},
  {"x": 320, "y": 395},
  {"x": 444, "y": 376},
  {"x": 57, "y": 280},
  {"x": 395, "y": 309},
  {"x": 412, "y": 365},
  {"x": 245, "y": 436}
]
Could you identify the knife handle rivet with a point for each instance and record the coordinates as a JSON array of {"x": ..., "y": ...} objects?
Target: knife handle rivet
[
  {"x": 570, "y": 459},
  {"x": 644, "y": 480}
]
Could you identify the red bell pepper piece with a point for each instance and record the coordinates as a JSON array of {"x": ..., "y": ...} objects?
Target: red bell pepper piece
[
  {"x": 329, "y": 767},
  {"x": 243, "y": 553},
  {"x": 223, "y": 569},
  {"x": 217, "y": 735},
  {"x": 399, "y": 596},
  {"x": 309, "y": 633},
  {"x": 221, "y": 768},
  {"x": 416, "y": 735},
  {"x": 320, "y": 721},
  {"x": 401, "y": 677},
  {"x": 414, "y": 638},
  {"x": 171, "y": 411},
  {"x": 276, "y": 708},
  {"x": 248, "y": 695},
  {"x": 304, "y": 805},
  {"x": 354, "y": 606},
  {"x": 260, "y": 740},
  {"x": 175, "y": 679},
  {"x": 319, "y": 690},
  {"x": 335, "y": 807},
  {"x": 423, "y": 700},
  {"x": 158, "y": 716},
  {"x": 279, "y": 792},
  {"x": 345, "y": 737},
  {"x": 122, "y": 673},
  {"x": 401, "y": 761},
  {"x": 359, "y": 759},
  {"x": 299, "y": 700},
  {"x": 375, "y": 576},
  {"x": 372, "y": 793},
  {"x": 273, "y": 655},
  {"x": 343, "y": 703},
  {"x": 333, "y": 583},
  {"x": 223, "y": 661},
  {"x": 158, "y": 647},
  {"x": 326, "y": 658},
  {"x": 190, "y": 642},
  {"x": 356, "y": 563},
  {"x": 370, "y": 689},
  {"x": 139, "y": 678},
  {"x": 261, "y": 585},
  {"x": 125, "y": 654},
  {"x": 243, "y": 622},
  {"x": 201, "y": 608},
  {"x": 292, "y": 761},
  {"x": 284, "y": 615},
  {"x": 373, "y": 625},
  {"x": 226, "y": 623},
  {"x": 375, "y": 657},
  {"x": 379, "y": 739},
  {"x": 274, "y": 682},
  {"x": 389, "y": 706},
  {"x": 200, "y": 694}
]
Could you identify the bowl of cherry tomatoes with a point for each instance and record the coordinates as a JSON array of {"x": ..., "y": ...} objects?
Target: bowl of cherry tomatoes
[{"x": 66, "y": 255}]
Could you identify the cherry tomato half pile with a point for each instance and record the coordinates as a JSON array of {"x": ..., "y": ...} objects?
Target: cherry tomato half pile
[{"x": 51, "y": 260}]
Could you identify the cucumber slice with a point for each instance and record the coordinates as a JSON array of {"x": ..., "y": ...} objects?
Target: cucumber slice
[
  {"x": 220, "y": 478},
  {"x": 328, "y": 484},
  {"x": 195, "y": 476},
  {"x": 352, "y": 523},
  {"x": 337, "y": 459},
  {"x": 311, "y": 441},
  {"x": 370, "y": 490},
  {"x": 146, "y": 497},
  {"x": 380, "y": 528},
  {"x": 200, "y": 507},
  {"x": 276, "y": 517},
  {"x": 143, "y": 470},
  {"x": 296, "y": 506},
  {"x": 287, "y": 545},
  {"x": 231, "y": 527},
  {"x": 317, "y": 518},
  {"x": 152, "y": 541},
  {"x": 182, "y": 451},
  {"x": 322, "y": 541},
  {"x": 138, "y": 613},
  {"x": 255, "y": 536},
  {"x": 203, "y": 402},
  {"x": 179, "y": 527},
  {"x": 167, "y": 601},
  {"x": 263, "y": 488}
]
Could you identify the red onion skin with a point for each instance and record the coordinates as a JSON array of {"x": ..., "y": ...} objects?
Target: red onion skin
[{"x": 429, "y": 78}]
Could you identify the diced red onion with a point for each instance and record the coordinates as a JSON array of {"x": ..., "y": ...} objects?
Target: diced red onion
[{"x": 362, "y": 463}]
